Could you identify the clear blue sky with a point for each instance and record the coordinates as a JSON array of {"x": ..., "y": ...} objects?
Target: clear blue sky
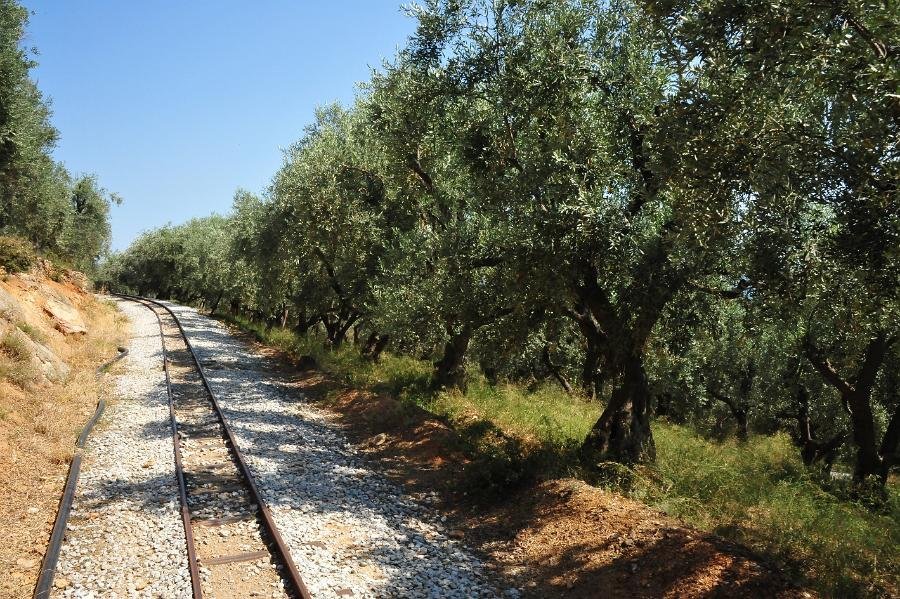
[{"x": 176, "y": 104}]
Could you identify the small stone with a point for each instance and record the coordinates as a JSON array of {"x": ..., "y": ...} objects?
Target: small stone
[
  {"x": 24, "y": 562},
  {"x": 33, "y": 510},
  {"x": 456, "y": 534},
  {"x": 61, "y": 583},
  {"x": 140, "y": 584}
]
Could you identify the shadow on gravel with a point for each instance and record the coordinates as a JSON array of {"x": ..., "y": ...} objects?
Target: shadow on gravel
[
  {"x": 309, "y": 472},
  {"x": 151, "y": 493}
]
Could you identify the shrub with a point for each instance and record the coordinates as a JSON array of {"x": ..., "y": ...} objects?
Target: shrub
[
  {"x": 33, "y": 332},
  {"x": 15, "y": 348},
  {"x": 14, "y": 361},
  {"x": 16, "y": 255}
]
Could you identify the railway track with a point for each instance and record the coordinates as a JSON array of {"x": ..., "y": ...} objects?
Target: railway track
[{"x": 234, "y": 548}]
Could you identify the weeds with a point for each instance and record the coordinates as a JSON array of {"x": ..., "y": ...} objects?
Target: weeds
[
  {"x": 35, "y": 333},
  {"x": 15, "y": 361},
  {"x": 19, "y": 374},
  {"x": 14, "y": 347}
]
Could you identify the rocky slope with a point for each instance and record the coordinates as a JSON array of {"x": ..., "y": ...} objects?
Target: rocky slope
[{"x": 53, "y": 334}]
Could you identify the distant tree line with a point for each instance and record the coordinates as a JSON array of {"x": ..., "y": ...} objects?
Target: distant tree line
[
  {"x": 683, "y": 209},
  {"x": 64, "y": 216}
]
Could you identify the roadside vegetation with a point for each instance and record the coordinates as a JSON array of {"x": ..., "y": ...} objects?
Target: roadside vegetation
[
  {"x": 43, "y": 207},
  {"x": 758, "y": 492},
  {"x": 652, "y": 244}
]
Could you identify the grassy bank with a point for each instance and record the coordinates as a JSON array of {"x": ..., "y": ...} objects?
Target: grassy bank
[{"x": 757, "y": 493}]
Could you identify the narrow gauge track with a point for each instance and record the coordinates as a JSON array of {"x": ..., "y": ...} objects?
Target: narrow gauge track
[{"x": 234, "y": 548}]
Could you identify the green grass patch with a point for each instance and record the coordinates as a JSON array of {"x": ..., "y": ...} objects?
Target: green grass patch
[{"x": 757, "y": 493}]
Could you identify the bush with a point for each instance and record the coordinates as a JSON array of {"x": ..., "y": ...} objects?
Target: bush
[
  {"x": 33, "y": 332},
  {"x": 15, "y": 348},
  {"x": 16, "y": 255},
  {"x": 15, "y": 365}
]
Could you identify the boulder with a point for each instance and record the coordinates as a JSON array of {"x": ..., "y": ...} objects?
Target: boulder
[
  {"x": 66, "y": 317},
  {"x": 51, "y": 367}
]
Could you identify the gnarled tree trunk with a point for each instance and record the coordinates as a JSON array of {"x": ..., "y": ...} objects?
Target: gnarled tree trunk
[
  {"x": 738, "y": 411},
  {"x": 856, "y": 395},
  {"x": 555, "y": 371},
  {"x": 449, "y": 371},
  {"x": 215, "y": 304},
  {"x": 623, "y": 431}
]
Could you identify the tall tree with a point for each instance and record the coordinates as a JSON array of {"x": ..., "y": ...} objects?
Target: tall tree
[{"x": 809, "y": 91}]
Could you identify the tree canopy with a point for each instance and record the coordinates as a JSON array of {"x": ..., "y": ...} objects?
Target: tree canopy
[
  {"x": 688, "y": 209},
  {"x": 63, "y": 215}
]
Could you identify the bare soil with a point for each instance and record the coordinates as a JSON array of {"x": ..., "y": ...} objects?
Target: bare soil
[
  {"x": 40, "y": 423},
  {"x": 556, "y": 538}
]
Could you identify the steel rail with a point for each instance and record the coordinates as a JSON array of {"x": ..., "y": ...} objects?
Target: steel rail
[
  {"x": 51, "y": 557},
  {"x": 293, "y": 574},
  {"x": 193, "y": 564}
]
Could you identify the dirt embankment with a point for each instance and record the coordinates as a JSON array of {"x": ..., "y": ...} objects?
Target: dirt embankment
[
  {"x": 557, "y": 538},
  {"x": 53, "y": 334}
]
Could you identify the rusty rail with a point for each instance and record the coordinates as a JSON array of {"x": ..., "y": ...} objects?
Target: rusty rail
[
  {"x": 193, "y": 564},
  {"x": 281, "y": 550},
  {"x": 44, "y": 582}
]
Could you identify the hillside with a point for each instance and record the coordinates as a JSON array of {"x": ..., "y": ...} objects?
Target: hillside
[{"x": 53, "y": 334}]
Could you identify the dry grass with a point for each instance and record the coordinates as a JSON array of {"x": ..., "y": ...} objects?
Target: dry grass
[{"x": 38, "y": 428}]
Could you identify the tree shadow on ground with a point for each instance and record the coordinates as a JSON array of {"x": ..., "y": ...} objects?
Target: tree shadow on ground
[
  {"x": 551, "y": 540},
  {"x": 309, "y": 473}
]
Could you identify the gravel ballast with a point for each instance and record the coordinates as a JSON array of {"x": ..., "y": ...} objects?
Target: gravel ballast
[
  {"x": 125, "y": 537},
  {"x": 351, "y": 531}
]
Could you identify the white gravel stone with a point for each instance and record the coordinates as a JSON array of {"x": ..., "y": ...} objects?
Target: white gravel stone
[
  {"x": 347, "y": 526},
  {"x": 125, "y": 536}
]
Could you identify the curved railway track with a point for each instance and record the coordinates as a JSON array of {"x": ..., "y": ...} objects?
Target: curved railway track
[{"x": 234, "y": 548}]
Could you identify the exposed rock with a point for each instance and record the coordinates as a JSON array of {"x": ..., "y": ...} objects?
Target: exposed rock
[
  {"x": 79, "y": 279},
  {"x": 10, "y": 309},
  {"x": 52, "y": 368},
  {"x": 65, "y": 317}
]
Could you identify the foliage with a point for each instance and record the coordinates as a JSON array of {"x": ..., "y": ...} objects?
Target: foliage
[
  {"x": 16, "y": 255},
  {"x": 39, "y": 200},
  {"x": 673, "y": 208},
  {"x": 757, "y": 492}
]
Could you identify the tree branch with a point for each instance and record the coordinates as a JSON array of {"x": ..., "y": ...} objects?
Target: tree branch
[{"x": 828, "y": 372}]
